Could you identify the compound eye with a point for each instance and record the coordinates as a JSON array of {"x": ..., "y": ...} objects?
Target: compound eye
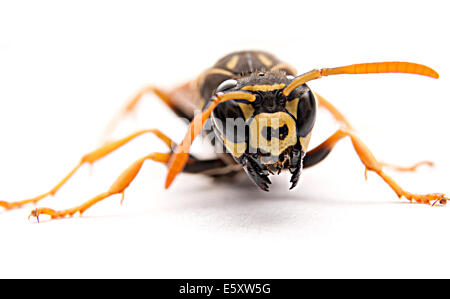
[{"x": 227, "y": 84}]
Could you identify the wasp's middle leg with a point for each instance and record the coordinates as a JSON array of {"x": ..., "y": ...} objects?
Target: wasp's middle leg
[{"x": 340, "y": 118}]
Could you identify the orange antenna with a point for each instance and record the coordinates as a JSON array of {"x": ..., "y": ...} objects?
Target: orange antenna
[
  {"x": 181, "y": 153},
  {"x": 363, "y": 68}
]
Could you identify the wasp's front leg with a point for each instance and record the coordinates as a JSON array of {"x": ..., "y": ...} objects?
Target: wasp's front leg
[
  {"x": 194, "y": 165},
  {"x": 89, "y": 158},
  {"x": 118, "y": 187}
]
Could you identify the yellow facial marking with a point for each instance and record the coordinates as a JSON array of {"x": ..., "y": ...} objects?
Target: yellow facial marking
[
  {"x": 247, "y": 110},
  {"x": 266, "y": 61},
  {"x": 263, "y": 87},
  {"x": 231, "y": 64},
  {"x": 291, "y": 107},
  {"x": 274, "y": 146},
  {"x": 237, "y": 149},
  {"x": 304, "y": 141}
]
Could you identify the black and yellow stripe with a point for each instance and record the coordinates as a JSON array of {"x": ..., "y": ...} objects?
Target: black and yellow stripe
[{"x": 237, "y": 65}]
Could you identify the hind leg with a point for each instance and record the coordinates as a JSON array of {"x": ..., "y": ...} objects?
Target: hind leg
[{"x": 175, "y": 99}]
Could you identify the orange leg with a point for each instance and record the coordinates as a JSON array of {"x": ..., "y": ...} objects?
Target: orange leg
[
  {"x": 346, "y": 124},
  {"x": 118, "y": 187},
  {"x": 333, "y": 110},
  {"x": 132, "y": 104},
  {"x": 407, "y": 168},
  {"x": 90, "y": 158},
  {"x": 371, "y": 164}
]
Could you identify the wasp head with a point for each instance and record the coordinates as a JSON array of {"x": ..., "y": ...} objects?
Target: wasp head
[{"x": 269, "y": 134}]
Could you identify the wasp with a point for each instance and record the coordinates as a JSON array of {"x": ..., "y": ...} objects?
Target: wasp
[{"x": 260, "y": 112}]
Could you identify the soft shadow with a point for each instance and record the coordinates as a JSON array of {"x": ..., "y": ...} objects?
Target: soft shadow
[{"x": 239, "y": 203}]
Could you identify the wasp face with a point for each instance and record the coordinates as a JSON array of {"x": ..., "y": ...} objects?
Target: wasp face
[{"x": 271, "y": 133}]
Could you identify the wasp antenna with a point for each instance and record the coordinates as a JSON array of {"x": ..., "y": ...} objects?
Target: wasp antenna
[
  {"x": 363, "y": 68},
  {"x": 382, "y": 67},
  {"x": 181, "y": 153}
]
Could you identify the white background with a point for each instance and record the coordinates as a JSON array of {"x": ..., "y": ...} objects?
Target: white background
[{"x": 66, "y": 68}]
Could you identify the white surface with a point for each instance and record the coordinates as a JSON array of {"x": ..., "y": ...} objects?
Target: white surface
[{"x": 65, "y": 69}]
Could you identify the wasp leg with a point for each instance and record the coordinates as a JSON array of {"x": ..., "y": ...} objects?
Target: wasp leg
[
  {"x": 370, "y": 162},
  {"x": 90, "y": 158},
  {"x": 407, "y": 168},
  {"x": 208, "y": 167},
  {"x": 169, "y": 98},
  {"x": 339, "y": 117},
  {"x": 118, "y": 187}
]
